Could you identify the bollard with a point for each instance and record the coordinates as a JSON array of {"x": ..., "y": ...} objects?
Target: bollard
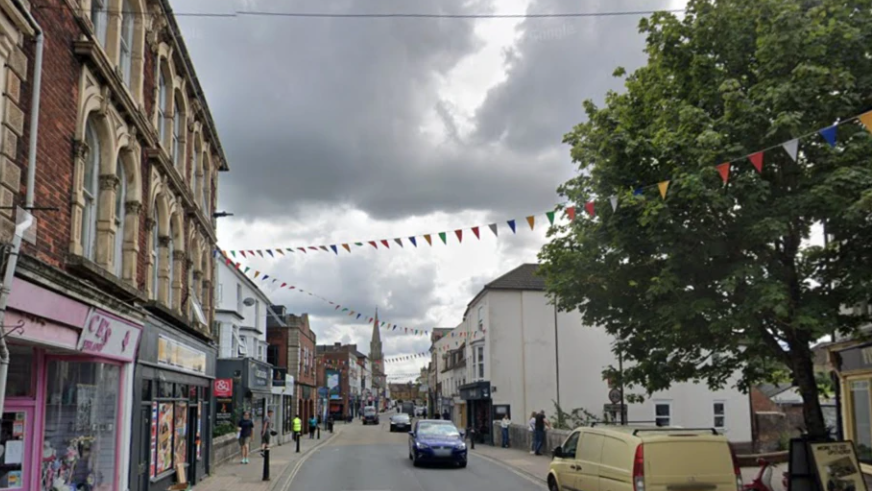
[
  {"x": 318, "y": 430},
  {"x": 472, "y": 439},
  {"x": 266, "y": 464},
  {"x": 298, "y": 442}
]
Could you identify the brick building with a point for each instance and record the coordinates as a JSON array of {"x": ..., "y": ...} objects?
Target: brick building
[
  {"x": 336, "y": 366},
  {"x": 113, "y": 289},
  {"x": 292, "y": 345}
]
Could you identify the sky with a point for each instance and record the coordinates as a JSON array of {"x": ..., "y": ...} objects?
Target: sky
[{"x": 349, "y": 130}]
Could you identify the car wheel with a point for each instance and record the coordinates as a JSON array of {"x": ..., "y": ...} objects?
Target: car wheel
[
  {"x": 415, "y": 461},
  {"x": 463, "y": 465},
  {"x": 552, "y": 484}
]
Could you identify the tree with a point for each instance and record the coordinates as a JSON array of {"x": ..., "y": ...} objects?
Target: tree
[{"x": 717, "y": 278}]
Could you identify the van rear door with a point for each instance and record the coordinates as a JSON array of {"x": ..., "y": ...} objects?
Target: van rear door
[{"x": 688, "y": 462}]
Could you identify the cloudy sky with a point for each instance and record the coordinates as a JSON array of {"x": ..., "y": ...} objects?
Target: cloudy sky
[{"x": 343, "y": 130}]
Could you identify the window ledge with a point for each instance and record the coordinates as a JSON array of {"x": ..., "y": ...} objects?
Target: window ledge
[{"x": 107, "y": 281}]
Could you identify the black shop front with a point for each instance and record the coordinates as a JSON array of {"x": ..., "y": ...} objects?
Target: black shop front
[{"x": 479, "y": 410}]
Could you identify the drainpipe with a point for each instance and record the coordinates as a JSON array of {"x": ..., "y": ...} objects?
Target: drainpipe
[{"x": 12, "y": 262}]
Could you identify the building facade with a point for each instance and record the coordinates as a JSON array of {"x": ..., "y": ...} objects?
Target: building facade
[
  {"x": 334, "y": 365},
  {"x": 292, "y": 342},
  {"x": 111, "y": 304},
  {"x": 240, "y": 314},
  {"x": 521, "y": 354}
]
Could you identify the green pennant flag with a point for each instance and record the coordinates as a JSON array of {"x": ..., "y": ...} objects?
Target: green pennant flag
[
  {"x": 550, "y": 216},
  {"x": 359, "y": 244},
  {"x": 233, "y": 252},
  {"x": 246, "y": 269},
  {"x": 443, "y": 237}
]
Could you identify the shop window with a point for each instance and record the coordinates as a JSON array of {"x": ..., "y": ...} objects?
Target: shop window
[
  {"x": 861, "y": 410},
  {"x": 81, "y": 422},
  {"x": 19, "y": 382},
  {"x": 146, "y": 390},
  {"x": 663, "y": 413},
  {"x": 165, "y": 390},
  {"x": 170, "y": 431},
  {"x": 13, "y": 437}
]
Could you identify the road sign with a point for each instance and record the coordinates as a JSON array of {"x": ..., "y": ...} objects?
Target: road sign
[{"x": 615, "y": 396}]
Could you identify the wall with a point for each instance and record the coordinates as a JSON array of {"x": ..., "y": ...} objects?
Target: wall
[{"x": 253, "y": 317}]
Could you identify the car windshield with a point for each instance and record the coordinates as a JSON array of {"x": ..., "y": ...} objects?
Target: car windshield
[
  {"x": 438, "y": 429},
  {"x": 401, "y": 417}
]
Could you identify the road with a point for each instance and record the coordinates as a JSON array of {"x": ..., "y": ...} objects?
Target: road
[{"x": 370, "y": 458}]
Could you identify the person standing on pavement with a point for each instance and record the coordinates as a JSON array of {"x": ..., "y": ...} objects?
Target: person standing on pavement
[
  {"x": 505, "y": 423},
  {"x": 539, "y": 431},
  {"x": 245, "y": 427},
  {"x": 313, "y": 423},
  {"x": 265, "y": 430},
  {"x": 531, "y": 427},
  {"x": 298, "y": 427}
]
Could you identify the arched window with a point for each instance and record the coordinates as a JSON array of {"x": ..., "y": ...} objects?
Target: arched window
[
  {"x": 126, "y": 47},
  {"x": 155, "y": 257},
  {"x": 178, "y": 127},
  {"x": 195, "y": 174},
  {"x": 90, "y": 188},
  {"x": 100, "y": 20},
  {"x": 162, "y": 100},
  {"x": 170, "y": 263},
  {"x": 207, "y": 186},
  {"x": 120, "y": 199}
]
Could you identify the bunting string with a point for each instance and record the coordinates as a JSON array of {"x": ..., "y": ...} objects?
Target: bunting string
[{"x": 724, "y": 169}]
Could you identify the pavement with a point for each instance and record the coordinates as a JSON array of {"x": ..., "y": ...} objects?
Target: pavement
[
  {"x": 363, "y": 458},
  {"x": 233, "y": 476}
]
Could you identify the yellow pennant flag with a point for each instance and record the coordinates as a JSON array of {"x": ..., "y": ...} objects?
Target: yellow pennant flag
[
  {"x": 428, "y": 239},
  {"x": 663, "y": 187},
  {"x": 866, "y": 119},
  {"x": 346, "y": 247},
  {"x": 532, "y": 221},
  {"x": 256, "y": 273}
]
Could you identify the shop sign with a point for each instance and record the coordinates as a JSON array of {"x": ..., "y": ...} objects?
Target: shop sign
[
  {"x": 333, "y": 384},
  {"x": 180, "y": 356},
  {"x": 836, "y": 466},
  {"x": 259, "y": 376},
  {"x": 106, "y": 335},
  {"x": 223, "y": 387},
  {"x": 223, "y": 410}
]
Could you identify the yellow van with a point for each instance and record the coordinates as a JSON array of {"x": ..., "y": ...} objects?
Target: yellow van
[{"x": 636, "y": 458}]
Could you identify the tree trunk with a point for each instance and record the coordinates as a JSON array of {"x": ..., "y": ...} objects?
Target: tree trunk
[{"x": 804, "y": 378}]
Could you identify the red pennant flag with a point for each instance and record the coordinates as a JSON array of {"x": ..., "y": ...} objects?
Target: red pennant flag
[
  {"x": 252, "y": 253},
  {"x": 313, "y": 248},
  {"x": 724, "y": 170},
  {"x": 372, "y": 243},
  {"x": 385, "y": 243},
  {"x": 459, "y": 234},
  {"x": 589, "y": 207},
  {"x": 757, "y": 161},
  {"x": 229, "y": 261},
  {"x": 570, "y": 212},
  {"x": 283, "y": 285},
  {"x": 302, "y": 249},
  {"x": 475, "y": 231},
  {"x": 243, "y": 253}
]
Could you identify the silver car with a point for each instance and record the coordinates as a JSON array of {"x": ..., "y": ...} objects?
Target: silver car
[{"x": 401, "y": 422}]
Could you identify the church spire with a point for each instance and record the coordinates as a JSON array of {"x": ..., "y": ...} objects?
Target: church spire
[{"x": 376, "y": 336}]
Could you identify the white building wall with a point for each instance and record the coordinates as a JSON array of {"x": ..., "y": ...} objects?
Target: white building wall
[
  {"x": 231, "y": 291},
  {"x": 521, "y": 363}
]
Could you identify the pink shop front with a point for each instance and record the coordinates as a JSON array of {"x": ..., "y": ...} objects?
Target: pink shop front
[{"x": 67, "y": 412}]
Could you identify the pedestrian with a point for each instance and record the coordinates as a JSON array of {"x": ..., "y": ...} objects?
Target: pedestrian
[
  {"x": 265, "y": 430},
  {"x": 313, "y": 423},
  {"x": 298, "y": 427},
  {"x": 245, "y": 427},
  {"x": 531, "y": 426},
  {"x": 505, "y": 423},
  {"x": 539, "y": 431}
]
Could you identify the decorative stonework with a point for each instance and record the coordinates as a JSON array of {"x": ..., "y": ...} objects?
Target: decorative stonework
[
  {"x": 179, "y": 255},
  {"x": 164, "y": 241},
  {"x": 133, "y": 208},
  {"x": 109, "y": 182}
]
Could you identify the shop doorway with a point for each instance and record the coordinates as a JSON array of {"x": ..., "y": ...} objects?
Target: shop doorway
[
  {"x": 16, "y": 434},
  {"x": 192, "y": 436},
  {"x": 144, "y": 429}
]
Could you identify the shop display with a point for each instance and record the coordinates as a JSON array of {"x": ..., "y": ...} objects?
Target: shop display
[
  {"x": 181, "y": 433},
  {"x": 199, "y": 427},
  {"x": 152, "y": 467},
  {"x": 164, "y": 437}
]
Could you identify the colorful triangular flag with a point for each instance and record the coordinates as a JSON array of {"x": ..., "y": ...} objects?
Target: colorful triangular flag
[
  {"x": 664, "y": 186},
  {"x": 414, "y": 241},
  {"x": 570, "y": 212},
  {"x": 243, "y": 253},
  {"x": 493, "y": 228},
  {"x": 589, "y": 208},
  {"x": 280, "y": 252},
  {"x": 459, "y": 234},
  {"x": 613, "y": 199},
  {"x": 372, "y": 243},
  {"x": 444, "y": 237},
  {"x": 335, "y": 249},
  {"x": 346, "y": 247},
  {"x": 399, "y": 241},
  {"x": 866, "y": 120},
  {"x": 757, "y": 161},
  {"x": 829, "y": 134},
  {"x": 269, "y": 251},
  {"x": 475, "y": 231},
  {"x": 792, "y": 148},
  {"x": 550, "y": 215},
  {"x": 511, "y": 225},
  {"x": 724, "y": 171},
  {"x": 532, "y": 221},
  {"x": 259, "y": 253},
  {"x": 428, "y": 239}
]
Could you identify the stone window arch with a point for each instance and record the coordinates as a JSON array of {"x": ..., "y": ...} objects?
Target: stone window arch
[
  {"x": 164, "y": 90},
  {"x": 205, "y": 201},
  {"x": 206, "y": 284},
  {"x": 179, "y": 131},
  {"x": 175, "y": 255},
  {"x": 197, "y": 167},
  {"x": 158, "y": 227},
  {"x": 126, "y": 210}
]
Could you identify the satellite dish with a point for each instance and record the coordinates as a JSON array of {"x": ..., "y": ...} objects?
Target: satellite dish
[{"x": 248, "y": 302}]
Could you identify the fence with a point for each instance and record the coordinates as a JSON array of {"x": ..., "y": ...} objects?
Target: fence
[{"x": 522, "y": 437}]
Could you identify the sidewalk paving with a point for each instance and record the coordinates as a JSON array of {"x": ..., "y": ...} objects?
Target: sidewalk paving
[
  {"x": 537, "y": 466},
  {"x": 233, "y": 476}
]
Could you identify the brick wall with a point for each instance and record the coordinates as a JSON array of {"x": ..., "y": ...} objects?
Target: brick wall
[{"x": 759, "y": 401}]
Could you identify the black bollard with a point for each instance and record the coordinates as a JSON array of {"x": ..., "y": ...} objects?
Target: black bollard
[
  {"x": 318, "y": 430},
  {"x": 266, "y": 464},
  {"x": 472, "y": 438},
  {"x": 298, "y": 442}
]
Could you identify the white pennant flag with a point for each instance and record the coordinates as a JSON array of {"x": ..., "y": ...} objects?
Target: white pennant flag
[
  {"x": 493, "y": 228},
  {"x": 792, "y": 148},
  {"x": 614, "y": 201}
]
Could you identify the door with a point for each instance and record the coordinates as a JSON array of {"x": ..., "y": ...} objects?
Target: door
[
  {"x": 16, "y": 435},
  {"x": 143, "y": 428},
  {"x": 566, "y": 466},
  {"x": 192, "y": 442},
  {"x": 588, "y": 458}
]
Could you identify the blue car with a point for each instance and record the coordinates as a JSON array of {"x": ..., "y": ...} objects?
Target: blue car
[{"x": 434, "y": 440}]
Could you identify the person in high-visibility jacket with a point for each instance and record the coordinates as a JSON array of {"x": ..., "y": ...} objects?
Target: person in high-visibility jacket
[{"x": 298, "y": 427}]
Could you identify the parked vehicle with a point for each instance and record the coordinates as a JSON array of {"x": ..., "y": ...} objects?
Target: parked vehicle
[
  {"x": 634, "y": 458},
  {"x": 434, "y": 440},
  {"x": 370, "y": 415},
  {"x": 408, "y": 408},
  {"x": 401, "y": 422}
]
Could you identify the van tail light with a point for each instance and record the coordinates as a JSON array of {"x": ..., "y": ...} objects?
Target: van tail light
[
  {"x": 736, "y": 469},
  {"x": 639, "y": 470}
]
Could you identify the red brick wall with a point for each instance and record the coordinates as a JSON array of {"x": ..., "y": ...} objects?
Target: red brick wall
[
  {"x": 759, "y": 402},
  {"x": 279, "y": 338}
]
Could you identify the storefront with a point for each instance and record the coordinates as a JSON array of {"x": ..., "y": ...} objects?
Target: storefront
[
  {"x": 66, "y": 417},
  {"x": 477, "y": 396},
  {"x": 853, "y": 364},
  {"x": 282, "y": 401},
  {"x": 252, "y": 384},
  {"x": 173, "y": 419}
]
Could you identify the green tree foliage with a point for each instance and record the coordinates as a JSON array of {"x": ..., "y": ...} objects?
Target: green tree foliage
[{"x": 714, "y": 268}]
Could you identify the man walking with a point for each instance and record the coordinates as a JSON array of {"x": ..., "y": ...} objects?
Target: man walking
[
  {"x": 313, "y": 423},
  {"x": 539, "y": 431},
  {"x": 298, "y": 427}
]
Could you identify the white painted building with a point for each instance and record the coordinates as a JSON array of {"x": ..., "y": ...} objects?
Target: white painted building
[
  {"x": 518, "y": 346},
  {"x": 240, "y": 314}
]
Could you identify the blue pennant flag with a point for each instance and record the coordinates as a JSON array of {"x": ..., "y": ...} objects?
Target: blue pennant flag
[
  {"x": 511, "y": 225},
  {"x": 829, "y": 134},
  {"x": 358, "y": 316},
  {"x": 637, "y": 192},
  {"x": 335, "y": 251},
  {"x": 269, "y": 251},
  {"x": 413, "y": 241},
  {"x": 264, "y": 277}
]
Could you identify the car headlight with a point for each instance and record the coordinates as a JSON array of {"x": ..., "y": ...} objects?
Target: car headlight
[
  {"x": 421, "y": 445},
  {"x": 461, "y": 446}
]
